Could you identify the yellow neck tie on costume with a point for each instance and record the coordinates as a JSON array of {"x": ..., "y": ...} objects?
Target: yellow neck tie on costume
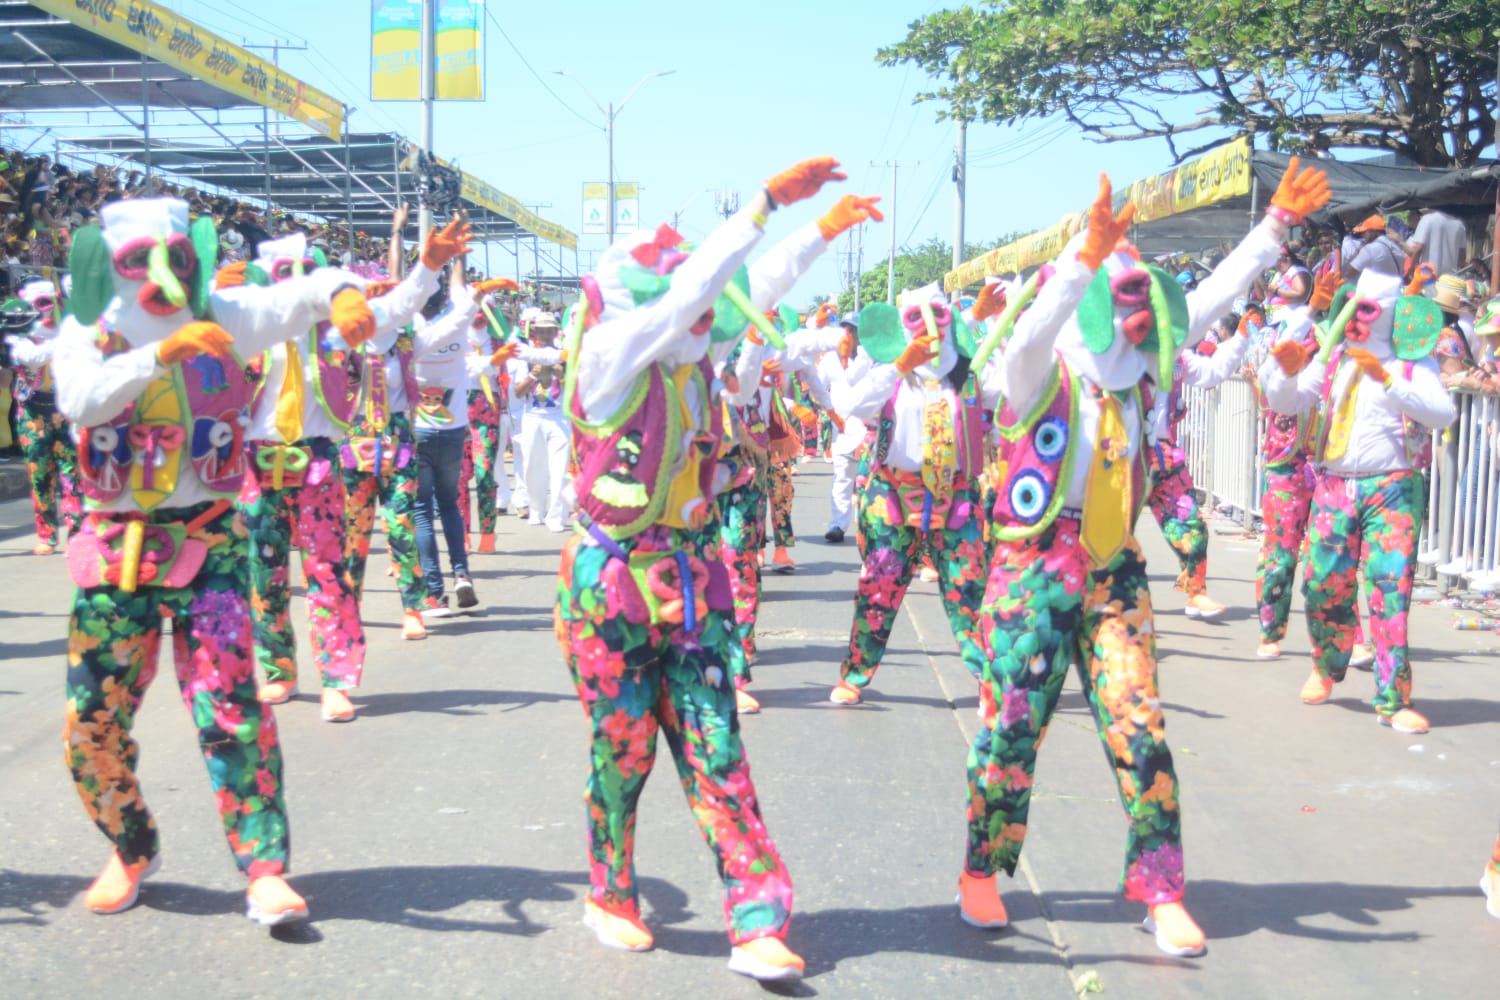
[
  {"x": 1107, "y": 499},
  {"x": 289, "y": 402},
  {"x": 939, "y": 450},
  {"x": 1342, "y": 426}
]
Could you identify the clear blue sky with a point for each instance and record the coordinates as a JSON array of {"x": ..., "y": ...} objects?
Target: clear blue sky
[{"x": 756, "y": 88}]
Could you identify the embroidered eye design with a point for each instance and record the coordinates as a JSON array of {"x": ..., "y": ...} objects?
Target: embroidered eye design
[
  {"x": 220, "y": 434},
  {"x": 104, "y": 439},
  {"x": 1050, "y": 439},
  {"x": 1029, "y": 496}
]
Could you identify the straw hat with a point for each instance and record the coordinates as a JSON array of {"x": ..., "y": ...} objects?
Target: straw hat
[{"x": 1449, "y": 292}]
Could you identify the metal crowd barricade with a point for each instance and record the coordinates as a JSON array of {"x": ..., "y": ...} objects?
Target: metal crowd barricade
[
  {"x": 1463, "y": 510},
  {"x": 1220, "y": 436}
]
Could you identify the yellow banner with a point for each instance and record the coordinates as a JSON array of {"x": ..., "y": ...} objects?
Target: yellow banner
[
  {"x": 171, "y": 39},
  {"x": 396, "y": 50},
  {"x": 1213, "y": 177},
  {"x": 477, "y": 192}
]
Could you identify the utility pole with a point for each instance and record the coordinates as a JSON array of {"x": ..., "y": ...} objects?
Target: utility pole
[
  {"x": 891, "y": 261},
  {"x": 959, "y": 157}
]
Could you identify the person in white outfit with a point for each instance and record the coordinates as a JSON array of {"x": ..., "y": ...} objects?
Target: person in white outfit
[
  {"x": 544, "y": 431},
  {"x": 840, "y": 371}
]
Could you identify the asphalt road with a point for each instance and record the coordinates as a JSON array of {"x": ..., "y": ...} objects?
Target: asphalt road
[{"x": 439, "y": 839}]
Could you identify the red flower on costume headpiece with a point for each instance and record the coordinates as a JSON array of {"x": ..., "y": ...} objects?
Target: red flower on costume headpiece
[{"x": 661, "y": 254}]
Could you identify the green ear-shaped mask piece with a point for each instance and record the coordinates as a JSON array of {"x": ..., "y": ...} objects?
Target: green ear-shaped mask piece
[
  {"x": 1169, "y": 305},
  {"x": 1419, "y": 321},
  {"x": 881, "y": 332},
  {"x": 206, "y": 243},
  {"x": 729, "y": 319},
  {"x": 93, "y": 270},
  {"x": 963, "y": 337},
  {"x": 1096, "y": 314},
  {"x": 319, "y": 257},
  {"x": 790, "y": 320},
  {"x": 256, "y": 275}
]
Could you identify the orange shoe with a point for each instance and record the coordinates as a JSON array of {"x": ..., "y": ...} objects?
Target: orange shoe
[
  {"x": 1490, "y": 883},
  {"x": 1177, "y": 934},
  {"x": 486, "y": 543},
  {"x": 979, "y": 902},
  {"x": 270, "y": 901},
  {"x": 844, "y": 693},
  {"x": 117, "y": 887},
  {"x": 1405, "y": 721},
  {"x": 927, "y": 574},
  {"x": 781, "y": 562},
  {"x": 277, "y": 692},
  {"x": 1361, "y": 656},
  {"x": 336, "y": 706},
  {"x": 760, "y": 559},
  {"x": 767, "y": 959},
  {"x": 1268, "y": 650},
  {"x": 745, "y": 702},
  {"x": 617, "y": 929},
  {"x": 411, "y": 625},
  {"x": 42, "y": 549},
  {"x": 1204, "y": 607},
  {"x": 1317, "y": 690}
]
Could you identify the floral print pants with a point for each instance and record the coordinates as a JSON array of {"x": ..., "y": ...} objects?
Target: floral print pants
[
  {"x": 1284, "y": 509},
  {"x": 1045, "y": 607},
  {"x": 636, "y": 679},
  {"x": 52, "y": 463},
  {"x": 114, "y": 639},
  {"x": 892, "y": 549},
  {"x": 397, "y": 496},
  {"x": 484, "y": 463},
  {"x": 1366, "y": 525},
  {"x": 309, "y": 518},
  {"x": 739, "y": 514},
  {"x": 781, "y": 494},
  {"x": 1175, "y": 507}
]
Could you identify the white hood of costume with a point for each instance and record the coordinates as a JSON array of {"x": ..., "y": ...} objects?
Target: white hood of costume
[
  {"x": 910, "y": 303},
  {"x": 1376, "y": 290},
  {"x": 122, "y": 223}
]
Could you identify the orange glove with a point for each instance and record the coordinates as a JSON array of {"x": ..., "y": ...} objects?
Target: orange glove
[
  {"x": 497, "y": 285},
  {"x": 1369, "y": 364},
  {"x": 847, "y": 347},
  {"x": 804, "y": 180},
  {"x": 846, "y": 213},
  {"x": 375, "y": 289},
  {"x": 1424, "y": 275},
  {"x": 1291, "y": 356},
  {"x": 754, "y": 335},
  {"x": 770, "y": 369},
  {"x": 352, "y": 316},
  {"x": 1105, "y": 228},
  {"x": 441, "y": 247},
  {"x": 1324, "y": 289},
  {"x": 920, "y": 351},
  {"x": 991, "y": 301},
  {"x": 503, "y": 354},
  {"x": 1301, "y": 192},
  {"x": 836, "y": 420},
  {"x": 231, "y": 275},
  {"x": 826, "y": 313},
  {"x": 196, "y": 338}
]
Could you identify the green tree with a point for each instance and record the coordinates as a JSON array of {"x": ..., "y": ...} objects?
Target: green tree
[
  {"x": 1414, "y": 77},
  {"x": 916, "y": 266}
]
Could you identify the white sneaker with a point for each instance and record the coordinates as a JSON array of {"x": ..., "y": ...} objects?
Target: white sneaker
[
  {"x": 556, "y": 526},
  {"x": 1454, "y": 567},
  {"x": 463, "y": 590}
]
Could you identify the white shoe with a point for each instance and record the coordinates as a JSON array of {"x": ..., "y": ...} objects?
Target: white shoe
[
  {"x": 556, "y": 526},
  {"x": 1430, "y": 557},
  {"x": 1454, "y": 567}
]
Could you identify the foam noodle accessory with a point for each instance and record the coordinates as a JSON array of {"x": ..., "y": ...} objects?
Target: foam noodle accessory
[{"x": 1007, "y": 321}]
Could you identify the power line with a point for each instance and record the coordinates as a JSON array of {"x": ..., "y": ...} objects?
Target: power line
[{"x": 519, "y": 55}]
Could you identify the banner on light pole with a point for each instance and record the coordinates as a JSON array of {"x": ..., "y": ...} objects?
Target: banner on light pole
[
  {"x": 595, "y": 209},
  {"x": 627, "y": 207},
  {"x": 396, "y": 50}
]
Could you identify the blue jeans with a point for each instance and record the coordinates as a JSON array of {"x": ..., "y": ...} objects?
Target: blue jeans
[{"x": 440, "y": 457}]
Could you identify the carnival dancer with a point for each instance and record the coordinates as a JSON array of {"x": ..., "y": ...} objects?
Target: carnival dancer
[
  {"x": 1375, "y": 395},
  {"x": 921, "y": 498},
  {"x": 1088, "y": 364},
  {"x": 1286, "y": 501},
  {"x": 840, "y": 370},
  {"x": 1173, "y": 498},
  {"x": 149, "y": 365},
  {"x": 489, "y": 423},
  {"x": 642, "y": 599},
  {"x": 51, "y": 455},
  {"x": 379, "y": 457}
]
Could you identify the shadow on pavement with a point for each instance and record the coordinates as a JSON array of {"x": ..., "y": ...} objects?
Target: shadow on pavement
[
  {"x": 1235, "y": 909},
  {"x": 39, "y": 648},
  {"x": 461, "y": 702},
  {"x": 1441, "y": 712}
]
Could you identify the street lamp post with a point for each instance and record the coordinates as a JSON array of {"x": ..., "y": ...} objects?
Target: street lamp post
[{"x": 609, "y": 114}]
